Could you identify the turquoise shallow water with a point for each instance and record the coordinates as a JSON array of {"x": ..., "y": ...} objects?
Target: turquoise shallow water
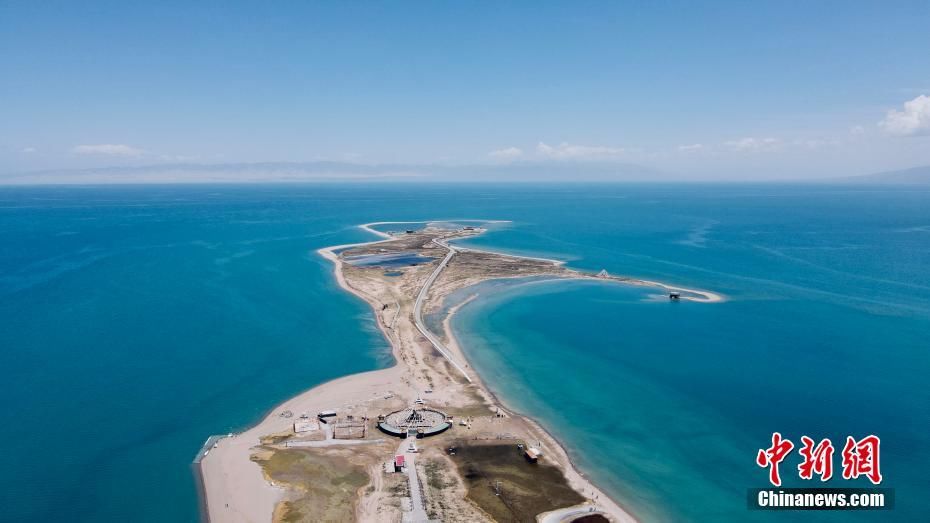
[
  {"x": 136, "y": 321},
  {"x": 665, "y": 404}
]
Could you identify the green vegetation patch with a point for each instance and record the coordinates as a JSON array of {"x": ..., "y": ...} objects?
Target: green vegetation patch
[
  {"x": 328, "y": 484},
  {"x": 506, "y": 486}
]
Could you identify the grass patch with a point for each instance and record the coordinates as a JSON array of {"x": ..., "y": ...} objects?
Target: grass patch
[
  {"x": 506, "y": 486},
  {"x": 328, "y": 485},
  {"x": 274, "y": 439},
  {"x": 434, "y": 478}
]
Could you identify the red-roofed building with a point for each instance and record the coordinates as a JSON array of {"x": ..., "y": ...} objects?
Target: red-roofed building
[{"x": 399, "y": 463}]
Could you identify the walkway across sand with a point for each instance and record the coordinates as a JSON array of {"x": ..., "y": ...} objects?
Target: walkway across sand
[{"x": 418, "y": 312}]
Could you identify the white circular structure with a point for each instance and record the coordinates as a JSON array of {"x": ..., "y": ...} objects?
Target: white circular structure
[{"x": 420, "y": 422}]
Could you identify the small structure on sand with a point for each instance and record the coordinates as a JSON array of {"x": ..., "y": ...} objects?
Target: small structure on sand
[
  {"x": 350, "y": 427},
  {"x": 674, "y": 295},
  {"x": 399, "y": 463},
  {"x": 303, "y": 426},
  {"x": 603, "y": 274},
  {"x": 532, "y": 454},
  {"x": 420, "y": 422}
]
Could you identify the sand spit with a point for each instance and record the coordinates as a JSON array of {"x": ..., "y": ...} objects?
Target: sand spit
[{"x": 238, "y": 482}]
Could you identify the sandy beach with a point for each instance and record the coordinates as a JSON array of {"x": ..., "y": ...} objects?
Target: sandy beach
[{"x": 236, "y": 486}]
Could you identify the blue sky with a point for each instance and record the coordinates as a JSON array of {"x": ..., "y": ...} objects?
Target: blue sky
[{"x": 736, "y": 90}]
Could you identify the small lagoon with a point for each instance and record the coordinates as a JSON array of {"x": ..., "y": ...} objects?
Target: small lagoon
[{"x": 399, "y": 259}]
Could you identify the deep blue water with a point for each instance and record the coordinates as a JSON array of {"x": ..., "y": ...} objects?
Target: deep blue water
[{"x": 138, "y": 320}]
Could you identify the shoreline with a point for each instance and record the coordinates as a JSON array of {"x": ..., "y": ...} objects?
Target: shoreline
[
  {"x": 219, "y": 477},
  {"x": 573, "y": 473},
  {"x": 575, "y": 477},
  {"x": 265, "y": 496}
]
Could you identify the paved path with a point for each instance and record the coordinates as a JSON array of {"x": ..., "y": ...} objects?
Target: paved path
[
  {"x": 418, "y": 310},
  {"x": 331, "y": 442},
  {"x": 417, "y": 513}
]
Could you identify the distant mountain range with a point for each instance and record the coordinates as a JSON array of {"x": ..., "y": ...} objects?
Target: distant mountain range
[
  {"x": 325, "y": 171},
  {"x": 914, "y": 175},
  {"x": 343, "y": 172}
]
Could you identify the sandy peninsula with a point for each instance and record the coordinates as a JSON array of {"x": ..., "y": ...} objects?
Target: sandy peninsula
[{"x": 485, "y": 463}]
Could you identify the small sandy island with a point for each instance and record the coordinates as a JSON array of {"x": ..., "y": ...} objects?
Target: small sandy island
[{"x": 423, "y": 440}]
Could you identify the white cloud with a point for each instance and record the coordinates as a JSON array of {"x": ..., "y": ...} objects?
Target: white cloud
[
  {"x": 565, "y": 151},
  {"x": 107, "y": 149},
  {"x": 750, "y": 144},
  {"x": 508, "y": 153},
  {"x": 692, "y": 148},
  {"x": 913, "y": 120},
  {"x": 857, "y": 130},
  {"x": 28, "y": 150}
]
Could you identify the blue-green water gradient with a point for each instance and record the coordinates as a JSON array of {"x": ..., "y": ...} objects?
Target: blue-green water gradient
[{"x": 135, "y": 321}]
